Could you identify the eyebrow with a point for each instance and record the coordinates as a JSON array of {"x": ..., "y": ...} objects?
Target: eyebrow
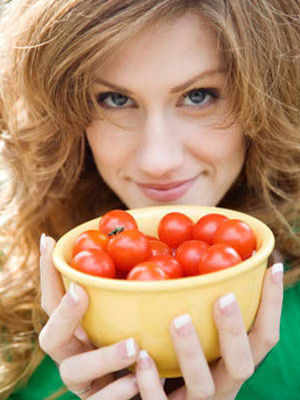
[{"x": 176, "y": 89}]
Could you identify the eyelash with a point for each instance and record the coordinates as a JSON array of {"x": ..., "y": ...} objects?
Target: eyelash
[{"x": 214, "y": 93}]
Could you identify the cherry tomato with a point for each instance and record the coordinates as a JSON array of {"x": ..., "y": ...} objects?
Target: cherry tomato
[
  {"x": 91, "y": 239},
  {"x": 206, "y": 227},
  {"x": 169, "y": 264},
  {"x": 121, "y": 274},
  {"x": 128, "y": 249},
  {"x": 217, "y": 257},
  {"x": 116, "y": 219},
  {"x": 151, "y": 237},
  {"x": 159, "y": 248},
  {"x": 238, "y": 235},
  {"x": 94, "y": 262},
  {"x": 147, "y": 271},
  {"x": 189, "y": 254},
  {"x": 175, "y": 228}
]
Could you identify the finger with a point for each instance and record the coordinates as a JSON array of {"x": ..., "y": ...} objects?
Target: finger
[
  {"x": 237, "y": 363},
  {"x": 97, "y": 363},
  {"x": 51, "y": 283},
  {"x": 122, "y": 389},
  {"x": 57, "y": 337},
  {"x": 81, "y": 334},
  {"x": 193, "y": 364},
  {"x": 148, "y": 379},
  {"x": 265, "y": 333}
]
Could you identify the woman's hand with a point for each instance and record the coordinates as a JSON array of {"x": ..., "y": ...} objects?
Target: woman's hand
[
  {"x": 86, "y": 371},
  {"x": 241, "y": 353}
]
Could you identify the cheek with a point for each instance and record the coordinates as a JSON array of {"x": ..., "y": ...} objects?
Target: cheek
[
  {"x": 110, "y": 146},
  {"x": 218, "y": 146}
]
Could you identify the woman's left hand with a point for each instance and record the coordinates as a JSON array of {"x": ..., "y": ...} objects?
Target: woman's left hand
[{"x": 241, "y": 352}]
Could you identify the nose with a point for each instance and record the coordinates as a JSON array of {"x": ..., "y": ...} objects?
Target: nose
[{"x": 161, "y": 151}]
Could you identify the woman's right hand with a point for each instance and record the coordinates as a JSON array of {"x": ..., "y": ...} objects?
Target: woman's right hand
[{"x": 85, "y": 370}]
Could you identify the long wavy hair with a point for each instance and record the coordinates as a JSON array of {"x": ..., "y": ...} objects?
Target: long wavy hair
[{"x": 49, "y": 53}]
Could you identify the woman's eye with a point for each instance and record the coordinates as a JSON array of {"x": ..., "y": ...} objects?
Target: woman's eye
[
  {"x": 113, "y": 100},
  {"x": 200, "y": 97}
]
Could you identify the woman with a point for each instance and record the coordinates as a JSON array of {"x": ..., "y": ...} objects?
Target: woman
[{"x": 125, "y": 104}]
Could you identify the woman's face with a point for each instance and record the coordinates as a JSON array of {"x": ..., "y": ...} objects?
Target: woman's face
[{"x": 167, "y": 86}]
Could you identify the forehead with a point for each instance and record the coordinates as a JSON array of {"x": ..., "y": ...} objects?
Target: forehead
[{"x": 174, "y": 49}]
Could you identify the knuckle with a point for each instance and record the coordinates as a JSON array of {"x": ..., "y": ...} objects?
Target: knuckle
[
  {"x": 277, "y": 301},
  {"x": 235, "y": 329},
  {"x": 119, "y": 394},
  {"x": 44, "y": 342},
  {"x": 64, "y": 371},
  {"x": 202, "y": 393},
  {"x": 199, "y": 388},
  {"x": 189, "y": 353},
  {"x": 271, "y": 341},
  {"x": 43, "y": 339},
  {"x": 44, "y": 304},
  {"x": 107, "y": 364},
  {"x": 243, "y": 372}
]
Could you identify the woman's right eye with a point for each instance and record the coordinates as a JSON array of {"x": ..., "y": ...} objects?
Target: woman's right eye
[{"x": 113, "y": 100}]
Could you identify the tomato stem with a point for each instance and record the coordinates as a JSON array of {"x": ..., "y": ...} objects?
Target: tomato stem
[{"x": 115, "y": 231}]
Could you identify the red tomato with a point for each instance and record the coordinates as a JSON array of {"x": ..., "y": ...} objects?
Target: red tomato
[
  {"x": 175, "y": 228},
  {"x": 238, "y": 235},
  {"x": 206, "y": 227},
  {"x": 128, "y": 249},
  {"x": 94, "y": 262},
  {"x": 151, "y": 237},
  {"x": 147, "y": 271},
  {"x": 121, "y": 274},
  {"x": 217, "y": 257},
  {"x": 189, "y": 254},
  {"x": 159, "y": 248},
  {"x": 91, "y": 239},
  {"x": 116, "y": 219},
  {"x": 169, "y": 264}
]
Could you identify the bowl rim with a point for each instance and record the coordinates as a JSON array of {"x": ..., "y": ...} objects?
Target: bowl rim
[{"x": 166, "y": 285}]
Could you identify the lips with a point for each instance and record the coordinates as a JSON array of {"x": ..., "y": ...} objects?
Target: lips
[{"x": 169, "y": 191}]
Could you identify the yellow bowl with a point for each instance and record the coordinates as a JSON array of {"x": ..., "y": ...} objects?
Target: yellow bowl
[{"x": 120, "y": 309}]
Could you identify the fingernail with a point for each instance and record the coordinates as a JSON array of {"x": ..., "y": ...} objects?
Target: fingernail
[
  {"x": 42, "y": 243},
  {"x": 144, "y": 359},
  {"x": 127, "y": 348},
  {"x": 228, "y": 304},
  {"x": 183, "y": 325},
  {"x": 73, "y": 294},
  {"x": 130, "y": 347},
  {"x": 277, "y": 272},
  {"x": 80, "y": 334}
]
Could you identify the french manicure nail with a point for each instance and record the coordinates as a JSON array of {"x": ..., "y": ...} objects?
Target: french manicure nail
[
  {"x": 130, "y": 347},
  {"x": 181, "y": 320},
  {"x": 42, "y": 243},
  {"x": 182, "y": 324},
  {"x": 80, "y": 334},
  {"x": 73, "y": 294},
  {"x": 144, "y": 359},
  {"x": 127, "y": 348},
  {"x": 228, "y": 304},
  {"x": 277, "y": 272}
]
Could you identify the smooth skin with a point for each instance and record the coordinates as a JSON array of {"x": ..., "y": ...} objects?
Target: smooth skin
[
  {"x": 174, "y": 137},
  {"x": 174, "y": 134}
]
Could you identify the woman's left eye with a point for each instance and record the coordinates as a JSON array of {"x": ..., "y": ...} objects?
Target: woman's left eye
[
  {"x": 200, "y": 97},
  {"x": 113, "y": 100}
]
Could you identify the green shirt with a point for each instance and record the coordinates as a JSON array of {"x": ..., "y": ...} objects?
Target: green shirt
[{"x": 276, "y": 378}]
